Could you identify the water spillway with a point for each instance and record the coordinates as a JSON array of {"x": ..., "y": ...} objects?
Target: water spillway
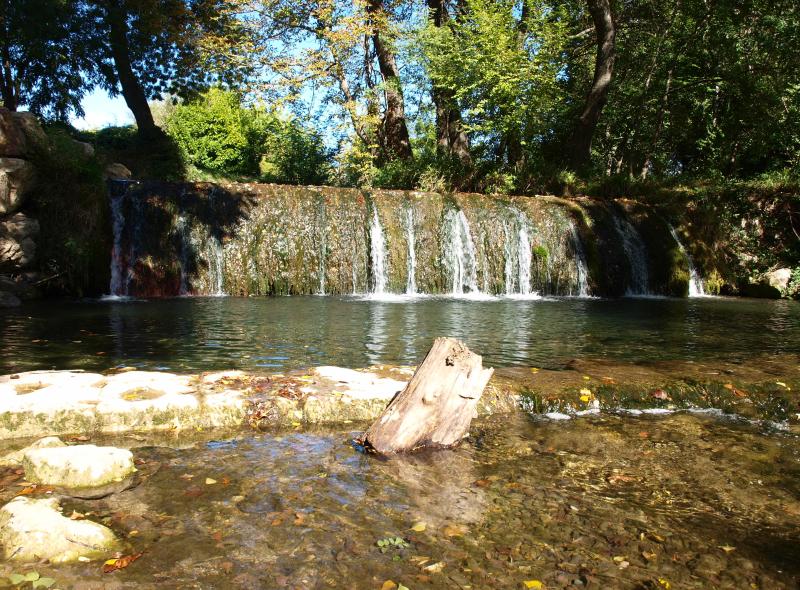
[{"x": 248, "y": 239}]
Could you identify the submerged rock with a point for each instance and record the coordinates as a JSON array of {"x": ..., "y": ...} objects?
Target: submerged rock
[
  {"x": 16, "y": 457},
  {"x": 34, "y": 530},
  {"x": 81, "y": 466}
]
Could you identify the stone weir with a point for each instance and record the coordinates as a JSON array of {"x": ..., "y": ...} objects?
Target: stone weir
[{"x": 248, "y": 239}]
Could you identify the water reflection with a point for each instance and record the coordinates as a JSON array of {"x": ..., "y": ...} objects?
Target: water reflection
[{"x": 194, "y": 334}]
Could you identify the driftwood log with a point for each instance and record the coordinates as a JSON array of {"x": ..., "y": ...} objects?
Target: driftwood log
[{"x": 437, "y": 405}]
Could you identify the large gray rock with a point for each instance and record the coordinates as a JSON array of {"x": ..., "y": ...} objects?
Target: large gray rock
[
  {"x": 81, "y": 466},
  {"x": 17, "y": 245},
  {"x": 779, "y": 278},
  {"x": 17, "y": 177},
  {"x": 16, "y": 457},
  {"x": 34, "y": 530},
  {"x": 20, "y": 134}
]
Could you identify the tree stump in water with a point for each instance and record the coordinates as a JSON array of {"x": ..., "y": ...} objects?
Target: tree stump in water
[{"x": 437, "y": 405}]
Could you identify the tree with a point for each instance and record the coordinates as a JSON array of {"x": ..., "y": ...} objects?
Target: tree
[
  {"x": 168, "y": 47},
  {"x": 45, "y": 49},
  {"x": 605, "y": 33}
]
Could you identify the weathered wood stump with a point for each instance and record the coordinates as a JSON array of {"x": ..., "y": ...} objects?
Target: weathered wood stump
[{"x": 437, "y": 405}]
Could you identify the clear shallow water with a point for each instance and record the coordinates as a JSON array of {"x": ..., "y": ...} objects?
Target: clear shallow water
[
  {"x": 599, "y": 502},
  {"x": 197, "y": 334}
]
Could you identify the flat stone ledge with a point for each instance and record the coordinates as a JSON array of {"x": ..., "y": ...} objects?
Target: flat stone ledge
[{"x": 79, "y": 466}]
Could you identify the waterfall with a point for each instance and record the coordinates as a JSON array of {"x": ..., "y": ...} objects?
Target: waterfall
[
  {"x": 183, "y": 235},
  {"x": 117, "y": 285},
  {"x": 323, "y": 244},
  {"x": 216, "y": 265},
  {"x": 696, "y": 288},
  {"x": 411, "y": 260},
  {"x": 459, "y": 253},
  {"x": 636, "y": 253},
  {"x": 518, "y": 254},
  {"x": 377, "y": 254},
  {"x": 581, "y": 268}
]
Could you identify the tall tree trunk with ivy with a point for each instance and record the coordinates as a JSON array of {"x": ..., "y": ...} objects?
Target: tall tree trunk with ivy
[
  {"x": 605, "y": 32},
  {"x": 450, "y": 135},
  {"x": 395, "y": 142}
]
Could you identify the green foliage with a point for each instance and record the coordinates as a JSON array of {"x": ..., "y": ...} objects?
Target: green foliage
[
  {"x": 70, "y": 202},
  {"x": 216, "y": 133}
]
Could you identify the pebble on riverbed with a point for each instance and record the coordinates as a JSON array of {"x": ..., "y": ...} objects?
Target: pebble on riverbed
[{"x": 33, "y": 530}]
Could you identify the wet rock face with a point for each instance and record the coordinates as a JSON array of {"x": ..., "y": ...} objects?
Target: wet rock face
[
  {"x": 82, "y": 466},
  {"x": 17, "y": 245},
  {"x": 34, "y": 530}
]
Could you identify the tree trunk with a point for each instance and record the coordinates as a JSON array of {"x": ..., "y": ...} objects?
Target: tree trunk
[
  {"x": 598, "y": 94},
  {"x": 437, "y": 405},
  {"x": 396, "y": 142},
  {"x": 450, "y": 135},
  {"x": 132, "y": 90}
]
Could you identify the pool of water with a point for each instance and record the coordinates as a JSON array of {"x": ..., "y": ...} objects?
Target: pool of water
[
  {"x": 597, "y": 502},
  {"x": 198, "y": 334}
]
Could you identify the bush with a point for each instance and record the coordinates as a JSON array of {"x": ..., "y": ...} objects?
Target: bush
[{"x": 217, "y": 134}]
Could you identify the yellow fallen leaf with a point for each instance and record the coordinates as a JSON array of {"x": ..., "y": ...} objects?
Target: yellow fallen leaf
[
  {"x": 296, "y": 424},
  {"x": 619, "y": 558},
  {"x": 586, "y": 391},
  {"x": 727, "y": 548},
  {"x": 533, "y": 584},
  {"x": 210, "y": 482},
  {"x": 586, "y": 378},
  {"x": 388, "y": 585},
  {"x": 419, "y": 527},
  {"x": 664, "y": 583},
  {"x": 534, "y": 369},
  {"x": 782, "y": 384},
  {"x": 586, "y": 398}
]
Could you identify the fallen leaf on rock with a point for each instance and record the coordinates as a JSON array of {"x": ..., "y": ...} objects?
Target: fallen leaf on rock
[{"x": 119, "y": 563}]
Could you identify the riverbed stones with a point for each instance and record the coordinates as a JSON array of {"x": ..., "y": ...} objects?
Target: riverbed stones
[
  {"x": 79, "y": 466},
  {"x": 34, "y": 530}
]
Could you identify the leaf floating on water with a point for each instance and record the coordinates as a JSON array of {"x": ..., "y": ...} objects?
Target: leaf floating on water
[
  {"x": 664, "y": 583},
  {"x": 727, "y": 548},
  {"x": 649, "y": 556},
  {"x": 43, "y": 583},
  {"x": 536, "y": 584},
  {"x": 782, "y": 384},
  {"x": 119, "y": 563},
  {"x": 586, "y": 398},
  {"x": 434, "y": 568},
  {"x": 419, "y": 527},
  {"x": 534, "y": 370},
  {"x": 587, "y": 378},
  {"x": 389, "y": 585},
  {"x": 210, "y": 481}
]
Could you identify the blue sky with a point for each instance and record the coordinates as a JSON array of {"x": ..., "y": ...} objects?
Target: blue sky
[{"x": 102, "y": 111}]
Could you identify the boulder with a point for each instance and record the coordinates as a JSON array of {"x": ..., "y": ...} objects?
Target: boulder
[
  {"x": 17, "y": 246},
  {"x": 81, "y": 466},
  {"x": 86, "y": 149},
  {"x": 16, "y": 457},
  {"x": 34, "y": 530},
  {"x": 20, "y": 133},
  {"x": 779, "y": 278},
  {"x": 116, "y": 171},
  {"x": 9, "y": 299},
  {"x": 16, "y": 180}
]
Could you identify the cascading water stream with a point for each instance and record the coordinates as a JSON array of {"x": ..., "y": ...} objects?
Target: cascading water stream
[
  {"x": 459, "y": 253},
  {"x": 636, "y": 253},
  {"x": 183, "y": 236},
  {"x": 518, "y": 255},
  {"x": 581, "y": 267},
  {"x": 117, "y": 284},
  {"x": 216, "y": 266},
  {"x": 696, "y": 288},
  {"x": 411, "y": 260},
  {"x": 378, "y": 254}
]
